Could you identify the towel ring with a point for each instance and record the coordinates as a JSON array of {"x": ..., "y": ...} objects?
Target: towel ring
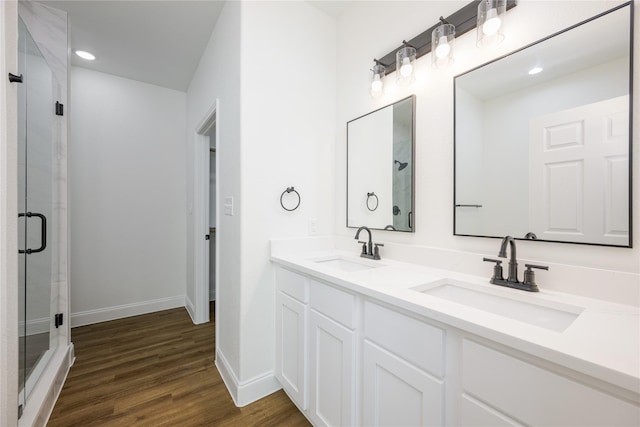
[
  {"x": 287, "y": 191},
  {"x": 370, "y": 196}
]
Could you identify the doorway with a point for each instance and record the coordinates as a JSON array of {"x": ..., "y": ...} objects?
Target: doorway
[{"x": 205, "y": 215}]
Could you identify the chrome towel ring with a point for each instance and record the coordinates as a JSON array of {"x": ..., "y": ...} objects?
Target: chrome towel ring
[
  {"x": 287, "y": 191},
  {"x": 370, "y": 200}
]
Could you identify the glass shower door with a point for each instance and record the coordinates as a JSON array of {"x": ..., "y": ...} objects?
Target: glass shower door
[{"x": 36, "y": 163}]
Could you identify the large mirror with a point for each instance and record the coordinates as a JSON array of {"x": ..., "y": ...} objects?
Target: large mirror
[
  {"x": 543, "y": 138},
  {"x": 380, "y": 169}
]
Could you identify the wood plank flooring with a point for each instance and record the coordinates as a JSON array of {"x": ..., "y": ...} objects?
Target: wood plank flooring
[{"x": 156, "y": 370}]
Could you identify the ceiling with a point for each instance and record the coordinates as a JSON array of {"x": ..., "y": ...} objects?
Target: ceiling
[
  {"x": 153, "y": 41},
  {"x": 157, "y": 42}
]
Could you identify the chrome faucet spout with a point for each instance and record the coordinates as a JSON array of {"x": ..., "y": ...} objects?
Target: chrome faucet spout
[
  {"x": 360, "y": 229},
  {"x": 370, "y": 243},
  {"x": 513, "y": 261},
  {"x": 503, "y": 248}
]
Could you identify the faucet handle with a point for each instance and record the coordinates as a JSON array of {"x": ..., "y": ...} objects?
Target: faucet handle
[
  {"x": 530, "y": 277},
  {"x": 497, "y": 269},
  {"x": 364, "y": 247},
  {"x": 376, "y": 251},
  {"x": 541, "y": 267}
]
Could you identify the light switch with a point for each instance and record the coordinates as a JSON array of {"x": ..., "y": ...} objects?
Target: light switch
[{"x": 228, "y": 206}]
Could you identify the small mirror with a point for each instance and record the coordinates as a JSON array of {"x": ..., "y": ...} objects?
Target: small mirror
[
  {"x": 380, "y": 169},
  {"x": 543, "y": 138}
]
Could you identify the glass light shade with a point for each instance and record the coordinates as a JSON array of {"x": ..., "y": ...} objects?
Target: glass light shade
[
  {"x": 377, "y": 80},
  {"x": 442, "y": 41},
  {"x": 405, "y": 65},
  {"x": 491, "y": 17}
]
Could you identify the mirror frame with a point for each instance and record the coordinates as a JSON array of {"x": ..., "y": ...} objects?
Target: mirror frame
[
  {"x": 413, "y": 169},
  {"x": 631, "y": 59}
]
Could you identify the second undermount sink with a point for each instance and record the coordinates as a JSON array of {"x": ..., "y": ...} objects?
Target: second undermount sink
[
  {"x": 549, "y": 315},
  {"x": 344, "y": 264}
]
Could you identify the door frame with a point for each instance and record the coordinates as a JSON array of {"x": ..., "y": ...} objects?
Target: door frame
[
  {"x": 201, "y": 213},
  {"x": 8, "y": 215}
]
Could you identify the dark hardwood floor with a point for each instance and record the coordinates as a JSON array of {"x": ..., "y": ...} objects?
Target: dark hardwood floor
[{"x": 156, "y": 370}]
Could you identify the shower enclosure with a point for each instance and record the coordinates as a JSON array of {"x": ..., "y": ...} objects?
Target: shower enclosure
[{"x": 38, "y": 154}]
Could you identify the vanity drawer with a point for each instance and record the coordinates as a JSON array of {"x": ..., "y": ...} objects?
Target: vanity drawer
[
  {"x": 333, "y": 303},
  {"x": 535, "y": 396},
  {"x": 417, "y": 342},
  {"x": 292, "y": 284}
]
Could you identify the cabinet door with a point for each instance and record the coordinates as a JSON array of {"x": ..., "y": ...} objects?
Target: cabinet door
[
  {"x": 518, "y": 390},
  {"x": 291, "y": 325},
  {"x": 332, "y": 369},
  {"x": 395, "y": 393}
]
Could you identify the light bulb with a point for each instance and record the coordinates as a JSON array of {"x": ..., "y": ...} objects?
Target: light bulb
[
  {"x": 443, "y": 49},
  {"x": 406, "y": 68},
  {"x": 492, "y": 22},
  {"x": 376, "y": 84},
  {"x": 535, "y": 70}
]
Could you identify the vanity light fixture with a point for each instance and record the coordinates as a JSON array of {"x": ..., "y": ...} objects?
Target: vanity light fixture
[
  {"x": 85, "y": 55},
  {"x": 485, "y": 15},
  {"x": 442, "y": 41},
  {"x": 490, "y": 28},
  {"x": 377, "y": 79},
  {"x": 406, "y": 64}
]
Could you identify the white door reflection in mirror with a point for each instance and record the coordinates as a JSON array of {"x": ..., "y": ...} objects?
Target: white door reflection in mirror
[
  {"x": 549, "y": 153},
  {"x": 573, "y": 150}
]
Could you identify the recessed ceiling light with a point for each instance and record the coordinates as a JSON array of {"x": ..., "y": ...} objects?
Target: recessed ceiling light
[
  {"x": 535, "y": 70},
  {"x": 85, "y": 55}
]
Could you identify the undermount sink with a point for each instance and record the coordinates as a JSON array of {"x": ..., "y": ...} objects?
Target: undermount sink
[
  {"x": 557, "y": 318},
  {"x": 344, "y": 264}
]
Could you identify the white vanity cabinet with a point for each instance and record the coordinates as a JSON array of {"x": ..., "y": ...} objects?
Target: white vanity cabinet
[
  {"x": 403, "y": 370},
  {"x": 292, "y": 295},
  {"x": 348, "y": 358},
  {"x": 316, "y": 348},
  {"x": 500, "y": 389},
  {"x": 332, "y": 356}
]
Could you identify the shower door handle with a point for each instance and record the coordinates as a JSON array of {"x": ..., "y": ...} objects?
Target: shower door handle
[{"x": 43, "y": 233}]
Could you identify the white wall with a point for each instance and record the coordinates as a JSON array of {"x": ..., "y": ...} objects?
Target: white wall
[
  {"x": 272, "y": 66},
  {"x": 288, "y": 134},
  {"x": 360, "y": 39},
  {"x": 127, "y": 168}
]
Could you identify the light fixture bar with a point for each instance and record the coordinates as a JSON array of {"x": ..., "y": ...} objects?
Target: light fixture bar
[{"x": 465, "y": 20}]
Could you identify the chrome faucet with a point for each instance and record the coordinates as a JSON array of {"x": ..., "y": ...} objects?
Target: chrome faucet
[
  {"x": 529, "y": 282},
  {"x": 513, "y": 261},
  {"x": 368, "y": 250}
]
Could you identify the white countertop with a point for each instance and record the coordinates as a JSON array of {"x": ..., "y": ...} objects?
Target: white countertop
[{"x": 603, "y": 342}]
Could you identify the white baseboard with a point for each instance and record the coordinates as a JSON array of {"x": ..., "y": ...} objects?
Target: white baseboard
[
  {"x": 127, "y": 310},
  {"x": 246, "y": 392},
  {"x": 191, "y": 309},
  {"x": 34, "y": 326}
]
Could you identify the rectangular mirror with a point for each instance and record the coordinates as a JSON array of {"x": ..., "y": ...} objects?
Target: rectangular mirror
[
  {"x": 380, "y": 169},
  {"x": 543, "y": 138}
]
